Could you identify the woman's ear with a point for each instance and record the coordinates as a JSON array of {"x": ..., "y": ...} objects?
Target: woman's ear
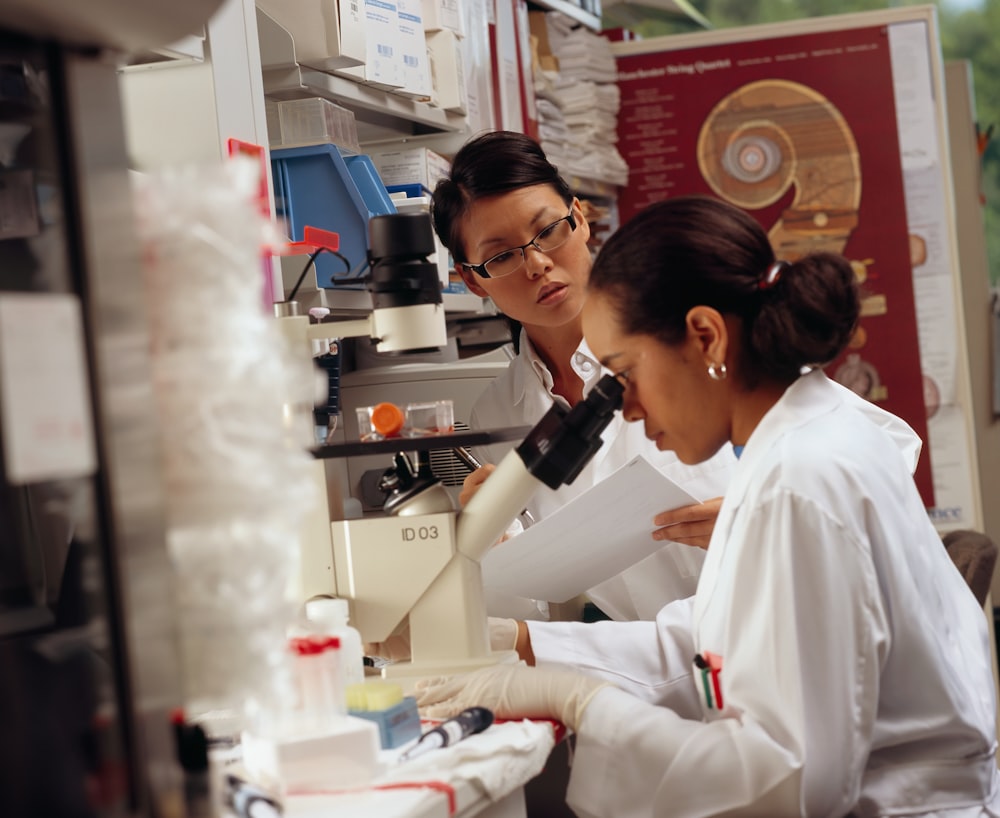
[
  {"x": 708, "y": 331},
  {"x": 471, "y": 280},
  {"x": 581, "y": 219}
]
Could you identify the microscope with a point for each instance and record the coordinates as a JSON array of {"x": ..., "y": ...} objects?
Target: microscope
[{"x": 420, "y": 564}]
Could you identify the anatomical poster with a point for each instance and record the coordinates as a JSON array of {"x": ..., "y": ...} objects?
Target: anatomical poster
[{"x": 801, "y": 132}]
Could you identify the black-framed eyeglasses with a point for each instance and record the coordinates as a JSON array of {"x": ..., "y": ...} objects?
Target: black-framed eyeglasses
[{"x": 510, "y": 261}]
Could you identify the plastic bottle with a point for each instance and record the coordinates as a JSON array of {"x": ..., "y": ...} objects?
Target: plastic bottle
[
  {"x": 322, "y": 697},
  {"x": 330, "y": 616}
]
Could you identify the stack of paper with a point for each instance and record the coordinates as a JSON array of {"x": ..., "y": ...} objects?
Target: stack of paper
[{"x": 578, "y": 124}]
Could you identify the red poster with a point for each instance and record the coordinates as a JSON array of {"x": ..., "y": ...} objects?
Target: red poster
[{"x": 799, "y": 131}]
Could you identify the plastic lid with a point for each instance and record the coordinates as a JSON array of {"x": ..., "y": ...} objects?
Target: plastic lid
[
  {"x": 328, "y": 608},
  {"x": 313, "y": 646},
  {"x": 387, "y": 419}
]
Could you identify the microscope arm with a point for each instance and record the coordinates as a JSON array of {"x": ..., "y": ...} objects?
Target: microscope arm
[{"x": 553, "y": 453}]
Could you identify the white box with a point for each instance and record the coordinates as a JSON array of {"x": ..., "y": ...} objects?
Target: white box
[
  {"x": 326, "y": 34},
  {"x": 477, "y": 65},
  {"x": 447, "y": 72},
  {"x": 410, "y": 166},
  {"x": 440, "y": 14},
  {"x": 347, "y": 756},
  {"x": 383, "y": 66},
  {"x": 413, "y": 51}
]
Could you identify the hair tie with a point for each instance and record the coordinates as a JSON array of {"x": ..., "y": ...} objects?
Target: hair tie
[{"x": 770, "y": 278}]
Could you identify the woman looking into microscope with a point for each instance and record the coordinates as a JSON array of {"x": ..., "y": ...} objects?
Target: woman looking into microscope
[
  {"x": 518, "y": 236},
  {"x": 833, "y": 661}
]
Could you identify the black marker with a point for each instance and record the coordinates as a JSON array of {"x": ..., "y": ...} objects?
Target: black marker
[
  {"x": 192, "y": 754},
  {"x": 469, "y": 721}
]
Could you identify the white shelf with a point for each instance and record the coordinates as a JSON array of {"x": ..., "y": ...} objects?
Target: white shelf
[
  {"x": 187, "y": 49},
  {"x": 379, "y": 113}
]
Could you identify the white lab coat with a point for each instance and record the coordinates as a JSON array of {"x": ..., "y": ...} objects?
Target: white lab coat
[
  {"x": 520, "y": 397},
  {"x": 523, "y": 394},
  {"x": 856, "y": 675}
]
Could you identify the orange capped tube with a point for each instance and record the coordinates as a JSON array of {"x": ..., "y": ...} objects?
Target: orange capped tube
[{"x": 387, "y": 419}]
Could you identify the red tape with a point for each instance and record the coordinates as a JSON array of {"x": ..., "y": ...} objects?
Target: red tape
[{"x": 437, "y": 786}]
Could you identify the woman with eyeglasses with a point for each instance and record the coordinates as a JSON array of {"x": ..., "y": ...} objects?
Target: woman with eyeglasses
[
  {"x": 518, "y": 236},
  {"x": 833, "y": 661}
]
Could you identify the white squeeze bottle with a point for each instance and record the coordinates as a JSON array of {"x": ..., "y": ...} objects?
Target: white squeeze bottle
[{"x": 331, "y": 617}]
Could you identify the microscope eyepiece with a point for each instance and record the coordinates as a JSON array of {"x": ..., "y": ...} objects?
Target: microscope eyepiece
[{"x": 561, "y": 443}]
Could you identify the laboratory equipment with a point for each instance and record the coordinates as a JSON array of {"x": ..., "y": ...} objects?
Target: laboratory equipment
[
  {"x": 384, "y": 704},
  {"x": 470, "y": 721},
  {"x": 421, "y": 564}
]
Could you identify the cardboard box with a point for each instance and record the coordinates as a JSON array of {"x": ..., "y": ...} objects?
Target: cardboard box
[
  {"x": 447, "y": 71},
  {"x": 410, "y": 166},
  {"x": 326, "y": 34},
  {"x": 476, "y": 64},
  {"x": 440, "y": 14},
  {"x": 383, "y": 66},
  {"x": 413, "y": 51}
]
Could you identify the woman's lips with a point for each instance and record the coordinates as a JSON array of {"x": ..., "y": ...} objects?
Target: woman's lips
[{"x": 551, "y": 293}]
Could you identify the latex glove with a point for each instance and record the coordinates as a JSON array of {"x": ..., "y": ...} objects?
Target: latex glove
[
  {"x": 503, "y": 633},
  {"x": 690, "y": 525},
  {"x": 503, "y": 636},
  {"x": 396, "y": 647},
  {"x": 511, "y": 692}
]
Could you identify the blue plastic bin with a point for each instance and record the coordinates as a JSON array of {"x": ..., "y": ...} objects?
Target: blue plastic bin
[{"x": 314, "y": 185}]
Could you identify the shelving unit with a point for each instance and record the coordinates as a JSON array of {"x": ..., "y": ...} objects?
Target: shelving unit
[{"x": 380, "y": 114}]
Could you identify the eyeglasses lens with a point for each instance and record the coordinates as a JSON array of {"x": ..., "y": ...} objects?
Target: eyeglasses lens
[{"x": 510, "y": 261}]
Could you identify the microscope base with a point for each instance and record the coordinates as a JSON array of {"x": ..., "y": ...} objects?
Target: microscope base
[{"x": 406, "y": 674}]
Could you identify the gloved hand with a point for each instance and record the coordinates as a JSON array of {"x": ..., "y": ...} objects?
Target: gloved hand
[
  {"x": 503, "y": 633},
  {"x": 511, "y": 691},
  {"x": 503, "y": 636}
]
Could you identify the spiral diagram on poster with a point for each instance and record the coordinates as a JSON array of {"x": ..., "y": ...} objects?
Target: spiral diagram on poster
[{"x": 770, "y": 136}]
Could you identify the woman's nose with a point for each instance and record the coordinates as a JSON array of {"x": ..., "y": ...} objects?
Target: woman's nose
[
  {"x": 536, "y": 261},
  {"x": 631, "y": 410}
]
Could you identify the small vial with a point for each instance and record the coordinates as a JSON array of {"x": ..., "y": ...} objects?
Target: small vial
[{"x": 321, "y": 691}]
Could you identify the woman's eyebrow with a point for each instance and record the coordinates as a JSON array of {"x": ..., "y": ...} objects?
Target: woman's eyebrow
[
  {"x": 542, "y": 218},
  {"x": 608, "y": 360}
]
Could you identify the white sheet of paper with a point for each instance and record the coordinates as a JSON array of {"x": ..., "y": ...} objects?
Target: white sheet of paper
[
  {"x": 594, "y": 537},
  {"x": 44, "y": 392}
]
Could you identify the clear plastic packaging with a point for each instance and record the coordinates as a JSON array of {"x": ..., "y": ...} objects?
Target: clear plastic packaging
[
  {"x": 435, "y": 417},
  {"x": 317, "y": 121},
  {"x": 385, "y": 420}
]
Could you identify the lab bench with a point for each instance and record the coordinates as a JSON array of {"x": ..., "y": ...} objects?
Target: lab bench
[{"x": 483, "y": 775}]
